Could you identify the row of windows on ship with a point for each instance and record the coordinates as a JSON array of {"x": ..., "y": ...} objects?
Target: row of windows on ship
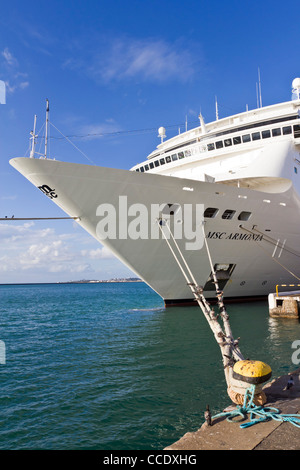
[{"x": 266, "y": 134}]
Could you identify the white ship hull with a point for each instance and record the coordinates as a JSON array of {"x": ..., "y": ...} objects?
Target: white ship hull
[{"x": 261, "y": 252}]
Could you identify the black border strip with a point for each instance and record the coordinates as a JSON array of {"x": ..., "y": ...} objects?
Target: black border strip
[
  {"x": 252, "y": 380},
  {"x": 192, "y": 302}
]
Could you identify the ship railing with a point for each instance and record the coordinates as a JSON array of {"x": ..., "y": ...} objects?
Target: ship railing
[{"x": 285, "y": 285}]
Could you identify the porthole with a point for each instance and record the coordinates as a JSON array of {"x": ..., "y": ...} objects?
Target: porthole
[
  {"x": 228, "y": 214},
  {"x": 286, "y": 130},
  {"x": 296, "y": 130},
  {"x": 170, "y": 209},
  {"x": 255, "y": 135},
  {"x": 266, "y": 134},
  {"x": 276, "y": 132},
  {"x": 244, "y": 215},
  {"x": 210, "y": 212}
]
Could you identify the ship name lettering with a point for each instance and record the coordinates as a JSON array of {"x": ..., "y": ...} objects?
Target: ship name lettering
[
  {"x": 234, "y": 236},
  {"x": 216, "y": 235},
  {"x": 48, "y": 191}
]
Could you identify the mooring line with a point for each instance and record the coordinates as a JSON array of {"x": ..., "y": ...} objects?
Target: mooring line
[
  {"x": 272, "y": 257},
  {"x": 228, "y": 346}
]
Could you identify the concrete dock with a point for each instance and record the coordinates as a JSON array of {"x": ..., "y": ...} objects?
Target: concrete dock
[{"x": 269, "y": 435}]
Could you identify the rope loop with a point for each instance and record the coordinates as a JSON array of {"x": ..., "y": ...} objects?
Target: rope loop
[{"x": 257, "y": 414}]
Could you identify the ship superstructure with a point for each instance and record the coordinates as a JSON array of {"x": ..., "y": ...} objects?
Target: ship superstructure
[{"x": 227, "y": 150}]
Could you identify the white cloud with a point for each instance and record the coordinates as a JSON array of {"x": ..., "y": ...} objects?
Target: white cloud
[
  {"x": 153, "y": 60},
  {"x": 10, "y": 232},
  {"x": 15, "y": 80},
  {"x": 145, "y": 59},
  {"x": 99, "y": 253},
  {"x": 23, "y": 85},
  {"x": 11, "y": 88},
  {"x": 29, "y": 253},
  {"x": 9, "y": 58},
  {"x": 87, "y": 131},
  {"x": 8, "y": 198},
  {"x": 98, "y": 130},
  {"x": 24, "y": 247}
]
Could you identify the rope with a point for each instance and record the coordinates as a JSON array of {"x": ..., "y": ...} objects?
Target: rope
[
  {"x": 274, "y": 259},
  {"x": 229, "y": 346},
  {"x": 120, "y": 133},
  {"x": 258, "y": 414},
  {"x": 275, "y": 242},
  {"x": 75, "y": 146},
  {"x": 190, "y": 282}
]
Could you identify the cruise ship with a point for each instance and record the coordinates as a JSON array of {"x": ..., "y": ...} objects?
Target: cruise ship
[{"x": 233, "y": 183}]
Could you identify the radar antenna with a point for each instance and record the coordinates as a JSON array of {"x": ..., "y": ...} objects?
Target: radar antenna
[
  {"x": 296, "y": 87},
  {"x": 162, "y": 133}
]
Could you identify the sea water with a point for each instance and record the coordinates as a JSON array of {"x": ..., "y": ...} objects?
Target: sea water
[{"x": 105, "y": 366}]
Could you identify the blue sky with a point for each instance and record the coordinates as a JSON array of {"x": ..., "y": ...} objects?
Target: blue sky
[{"x": 121, "y": 69}]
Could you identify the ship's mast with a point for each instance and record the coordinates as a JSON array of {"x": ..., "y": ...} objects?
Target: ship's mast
[
  {"x": 258, "y": 91},
  {"x": 217, "y": 110},
  {"x": 33, "y": 137},
  {"x": 46, "y": 130},
  {"x": 259, "y": 88}
]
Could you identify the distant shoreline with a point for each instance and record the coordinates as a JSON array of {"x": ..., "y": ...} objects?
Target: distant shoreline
[
  {"x": 92, "y": 281},
  {"x": 83, "y": 281}
]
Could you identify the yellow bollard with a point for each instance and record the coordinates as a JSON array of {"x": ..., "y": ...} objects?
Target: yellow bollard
[{"x": 245, "y": 373}]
